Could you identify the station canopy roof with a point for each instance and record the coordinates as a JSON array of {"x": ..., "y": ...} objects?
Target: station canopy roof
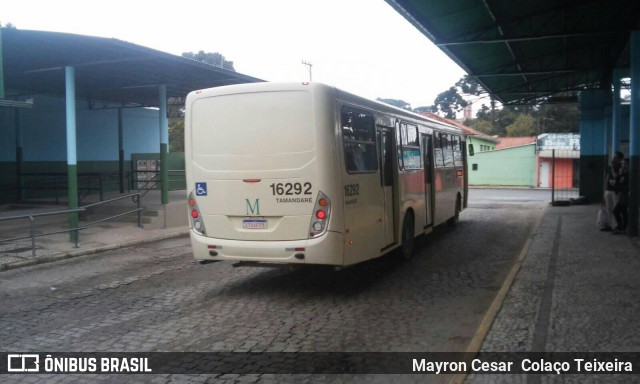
[
  {"x": 105, "y": 68},
  {"x": 530, "y": 51}
]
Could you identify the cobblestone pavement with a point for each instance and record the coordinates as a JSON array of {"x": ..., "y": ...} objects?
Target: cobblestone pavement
[
  {"x": 577, "y": 291},
  {"x": 154, "y": 297}
]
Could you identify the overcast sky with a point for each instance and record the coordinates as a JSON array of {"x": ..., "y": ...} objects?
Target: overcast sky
[{"x": 362, "y": 46}]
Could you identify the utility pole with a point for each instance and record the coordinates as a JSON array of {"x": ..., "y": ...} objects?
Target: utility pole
[{"x": 309, "y": 65}]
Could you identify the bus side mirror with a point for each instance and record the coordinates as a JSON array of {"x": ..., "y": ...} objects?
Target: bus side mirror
[{"x": 470, "y": 149}]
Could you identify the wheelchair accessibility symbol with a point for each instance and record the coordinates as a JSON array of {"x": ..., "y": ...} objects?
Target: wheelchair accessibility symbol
[{"x": 201, "y": 189}]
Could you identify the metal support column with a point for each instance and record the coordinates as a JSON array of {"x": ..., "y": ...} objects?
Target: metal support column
[
  {"x": 634, "y": 137},
  {"x": 164, "y": 145},
  {"x": 19, "y": 158},
  {"x": 615, "y": 113},
  {"x": 120, "y": 151},
  {"x": 1, "y": 69},
  {"x": 72, "y": 168},
  {"x": 593, "y": 143}
]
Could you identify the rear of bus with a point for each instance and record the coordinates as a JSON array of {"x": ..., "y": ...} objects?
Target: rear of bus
[{"x": 261, "y": 165}]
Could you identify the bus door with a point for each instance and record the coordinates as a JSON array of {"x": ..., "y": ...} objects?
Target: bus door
[
  {"x": 385, "y": 140},
  {"x": 429, "y": 182}
]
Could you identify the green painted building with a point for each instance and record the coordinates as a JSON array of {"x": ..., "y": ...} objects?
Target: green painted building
[
  {"x": 515, "y": 166},
  {"x": 481, "y": 142}
]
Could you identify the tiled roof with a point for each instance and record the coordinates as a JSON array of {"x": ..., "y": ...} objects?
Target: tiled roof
[
  {"x": 508, "y": 142},
  {"x": 470, "y": 131}
]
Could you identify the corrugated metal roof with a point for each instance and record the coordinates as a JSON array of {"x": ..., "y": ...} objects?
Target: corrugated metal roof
[
  {"x": 105, "y": 69},
  {"x": 522, "y": 51}
]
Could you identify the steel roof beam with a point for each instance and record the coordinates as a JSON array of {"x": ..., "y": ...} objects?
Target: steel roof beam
[
  {"x": 526, "y": 38},
  {"x": 527, "y": 73},
  {"x": 498, "y": 25}
]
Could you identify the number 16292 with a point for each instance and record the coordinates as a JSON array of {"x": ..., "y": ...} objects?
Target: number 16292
[{"x": 290, "y": 189}]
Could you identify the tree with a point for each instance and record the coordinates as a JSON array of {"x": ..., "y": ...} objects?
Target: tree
[
  {"x": 470, "y": 86},
  {"x": 176, "y": 135},
  {"x": 524, "y": 125},
  {"x": 212, "y": 58},
  {"x": 429, "y": 109},
  {"x": 483, "y": 126},
  {"x": 449, "y": 103},
  {"x": 484, "y": 112},
  {"x": 557, "y": 118},
  {"x": 9, "y": 25},
  {"x": 396, "y": 103}
]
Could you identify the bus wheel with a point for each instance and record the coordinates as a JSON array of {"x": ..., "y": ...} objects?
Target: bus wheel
[
  {"x": 454, "y": 220},
  {"x": 407, "y": 237}
]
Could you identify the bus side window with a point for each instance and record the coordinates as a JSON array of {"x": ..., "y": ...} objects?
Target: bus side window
[
  {"x": 399, "y": 145},
  {"x": 410, "y": 145},
  {"x": 447, "y": 150},
  {"x": 359, "y": 136},
  {"x": 439, "y": 162},
  {"x": 457, "y": 152}
]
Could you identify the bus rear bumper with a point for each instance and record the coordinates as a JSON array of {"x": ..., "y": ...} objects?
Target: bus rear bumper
[{"x": 326, "y": 249}]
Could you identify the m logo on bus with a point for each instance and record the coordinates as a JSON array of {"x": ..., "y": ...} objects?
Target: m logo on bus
[{"x": 253, "y": 209}]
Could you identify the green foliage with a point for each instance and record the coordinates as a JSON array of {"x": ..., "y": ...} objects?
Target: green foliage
[
  {"x": 483, "y": 126},
  {"x": 524, "y": 125},
  {"x": 470, "y": 86},
  {"x": 396, "y": 103},
  {"x": 484, "y": 112},
  {"x": 426, "y": 109},
  {"x": 176, "y": 135},
  {"x": 557, "y": 118},
  {"x": 449, "y": 102},
  {"x": 212, "y": 58},
  {"x": 501, "y": 121}
]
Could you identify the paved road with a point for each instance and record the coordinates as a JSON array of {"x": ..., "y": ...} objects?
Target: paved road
[{"x": 154, "y": 297}]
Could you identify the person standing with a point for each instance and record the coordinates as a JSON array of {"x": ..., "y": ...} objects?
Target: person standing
[
  {"x": 610, "y": 196},
  {"x": 622, "y": 190}
]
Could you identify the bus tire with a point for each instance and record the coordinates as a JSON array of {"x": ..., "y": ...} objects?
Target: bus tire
[
  {"x": 454, "y": 220},
  {"x": 406, "y": 249}
]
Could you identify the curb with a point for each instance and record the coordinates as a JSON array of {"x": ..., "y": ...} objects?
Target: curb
[
  {"x": 72, "y": 254},
  {"x": 523, "y": 187},
  {"x": 485, "y": 325}
]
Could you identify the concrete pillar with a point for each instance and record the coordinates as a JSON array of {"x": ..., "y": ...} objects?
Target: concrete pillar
[
  {"x": 72, "y": 167},
  {"x": 593, "y": 143},
  {"x": 616, "y": 112}
]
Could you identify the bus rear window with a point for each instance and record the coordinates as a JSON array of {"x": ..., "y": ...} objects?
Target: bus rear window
[{"x": 253, "y": 124}]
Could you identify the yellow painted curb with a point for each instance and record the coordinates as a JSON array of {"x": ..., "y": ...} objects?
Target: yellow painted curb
[{"x": 494, "y": 308}]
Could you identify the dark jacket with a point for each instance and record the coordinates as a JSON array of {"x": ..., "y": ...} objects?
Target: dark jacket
[
  {"x": 612, "y": 172},
  {"x": 622, "y": 186}
]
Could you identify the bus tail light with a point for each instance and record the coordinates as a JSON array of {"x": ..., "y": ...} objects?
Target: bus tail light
[
  {"x": 320, "y": 216},
  {"x": 194, "y": 212}
]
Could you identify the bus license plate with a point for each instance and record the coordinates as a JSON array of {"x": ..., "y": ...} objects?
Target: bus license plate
[{"x": 254, "y": 224}]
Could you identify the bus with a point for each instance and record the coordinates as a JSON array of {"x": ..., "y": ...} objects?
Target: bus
[{"x": 305, "y": 173}]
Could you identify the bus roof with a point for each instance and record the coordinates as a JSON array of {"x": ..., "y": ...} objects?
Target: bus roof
[{"x": 320, "y": 87}]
